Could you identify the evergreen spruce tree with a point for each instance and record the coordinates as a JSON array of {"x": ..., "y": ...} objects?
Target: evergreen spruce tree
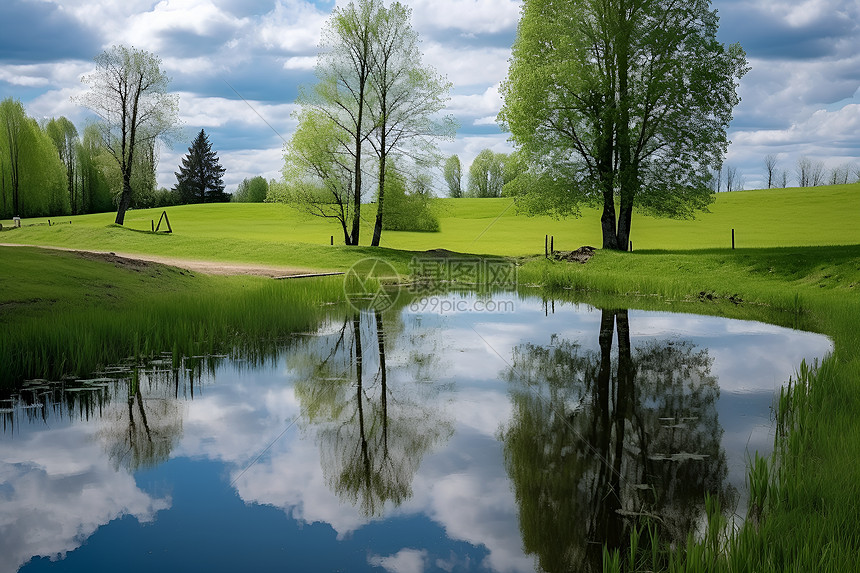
[{"x": 199, "y": 179}]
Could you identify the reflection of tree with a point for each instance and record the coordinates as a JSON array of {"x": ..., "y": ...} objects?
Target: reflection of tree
[
  {"x": 142, "y": 431},
  {"x": 595, "y": 445},
  {"x": 373, "y": 431}
]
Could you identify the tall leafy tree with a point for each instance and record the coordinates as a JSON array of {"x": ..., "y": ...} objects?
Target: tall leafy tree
[
  {"x": 318, "y": 170},
  {"x": 489, "y": 173},
  {"x": 453, "y": 173},
  {"x": 407, "y": 97},
  {"x": 13, "y": 123},
  {"x": 200, "y": 177},
  {"x": 128, "y": 91},
  {"x": 93, "y": 160},
  {"x": 341, "y": 94},
  {"x": 252, "y": 190},
  {"x": 620, "y": 100},
  {"x": 64, "y": 134},
  {"x": 32, "y": 177}
]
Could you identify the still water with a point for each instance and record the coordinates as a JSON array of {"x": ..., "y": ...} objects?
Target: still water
[{"x": 436, "y": 437}]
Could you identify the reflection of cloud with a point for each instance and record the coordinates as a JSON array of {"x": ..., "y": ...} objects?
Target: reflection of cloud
[
  {"x": 56, "y": 488},
  {"x": 404, "y": 561}
]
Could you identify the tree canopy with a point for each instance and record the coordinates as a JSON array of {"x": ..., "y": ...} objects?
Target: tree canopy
[
  {"x": 374, "y": 100},
  {"x": 625, "y": 100},
  {"x": 200, "y": 177},
  {"x": 128, "y": 91}
]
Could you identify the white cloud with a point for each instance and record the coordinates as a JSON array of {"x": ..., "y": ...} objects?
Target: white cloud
[
  {"x": 468, "y": 16},
  {"x": 404, "y": 561}
]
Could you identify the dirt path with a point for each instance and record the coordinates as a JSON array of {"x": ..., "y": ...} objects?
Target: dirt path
[{"x": 206, "y": 267}]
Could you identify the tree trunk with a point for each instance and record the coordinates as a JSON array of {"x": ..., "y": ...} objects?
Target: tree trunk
[
  {"x": 377, "y": 228},
  {"x": 124, "y": 200},
  {"x": 607, "y": 222}
]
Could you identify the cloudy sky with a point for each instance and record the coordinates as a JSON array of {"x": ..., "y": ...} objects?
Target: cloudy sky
[{"x": 802, "y": 96}]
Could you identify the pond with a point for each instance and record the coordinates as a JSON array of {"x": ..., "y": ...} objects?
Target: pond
[{"x": 459, "y": 433}]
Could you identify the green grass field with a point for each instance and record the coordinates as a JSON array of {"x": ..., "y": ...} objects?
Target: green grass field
[{"x": 278, "y": 234}]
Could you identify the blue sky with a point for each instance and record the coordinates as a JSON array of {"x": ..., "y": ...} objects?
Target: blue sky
[{"x": 802, "y": 97}]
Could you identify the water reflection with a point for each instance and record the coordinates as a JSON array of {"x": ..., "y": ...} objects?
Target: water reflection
[
  {"x": 597, "y": 444},
  {"x": 372, "y": 431},
  {"x": 381, "y": 439}
]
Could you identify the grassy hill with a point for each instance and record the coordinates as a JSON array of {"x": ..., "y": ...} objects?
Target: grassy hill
[{"x": 278, "y": 234}]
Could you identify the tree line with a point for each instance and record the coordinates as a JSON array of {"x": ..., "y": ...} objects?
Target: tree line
[{"x": 50, "y": 168}]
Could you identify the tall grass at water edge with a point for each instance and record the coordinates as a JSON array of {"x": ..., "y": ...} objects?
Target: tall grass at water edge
[{"x": 207, "y": 316}]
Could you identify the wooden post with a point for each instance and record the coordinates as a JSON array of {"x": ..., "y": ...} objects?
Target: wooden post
[
  {"x": 733, "y": 239},
  {"x": 332, "y": 240},
  {"x": 552, "y": 245},
  {"x": 152, "y": 224},
  {"x": 546, "y": 246}
]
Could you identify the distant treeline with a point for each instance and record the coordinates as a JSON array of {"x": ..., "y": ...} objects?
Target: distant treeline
[{"x": 50, "y": 168}]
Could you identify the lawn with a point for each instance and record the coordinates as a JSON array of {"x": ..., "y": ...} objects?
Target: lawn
[{"x": 278, "y": 234}]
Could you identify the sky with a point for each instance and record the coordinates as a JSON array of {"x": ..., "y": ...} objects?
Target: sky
[{"x": 237, "y": 66}]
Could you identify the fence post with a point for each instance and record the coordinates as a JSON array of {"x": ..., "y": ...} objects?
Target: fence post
[
  {"x": 733, "y": 239},
  {"x": 546, "y": 246},
  {"x": 552, "y": 245},
  {"x": 332, "y": 240}
]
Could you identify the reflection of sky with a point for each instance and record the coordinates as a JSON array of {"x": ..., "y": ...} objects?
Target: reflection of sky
[{"x": 243, "y": 466}]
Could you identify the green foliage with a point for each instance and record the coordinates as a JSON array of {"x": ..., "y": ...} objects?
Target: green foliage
[
  {"x": 453, "y": 173},
  {"x": 252, "y": 190},
  {"x": 612, "y": 101},
  {"x": 128, "y": 91},
  {"x": 200, "y": 177},
  {"x": 64, "y": 134},
  {"x": 407, "y": 210},
  {"x": 32, "y": 176},
  {"x": 490, "y": 172},
  {"x": 94, "y": 162}
]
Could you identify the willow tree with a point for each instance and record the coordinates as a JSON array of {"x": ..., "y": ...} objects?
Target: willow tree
[
  {"x": 620, "y": 100},
  {"x": 64, "y": 134},
  {"x": 128, "y": 91}
]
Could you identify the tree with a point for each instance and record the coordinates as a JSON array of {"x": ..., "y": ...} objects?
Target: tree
[
  {"x": 408, "y": 207},
  {"x": 318, "y": 170},
  {"x": 128, "y": 91},
  {"x": 95, "y": 192},
  {"x": 770, "y": 162},
  {"x": 733, "y": 180},
  {"x": 406, "y": 97},
  {"x": 252, "y": 190},
  {"x": 453, "y": 173},
  {"x": 32, "y": 177},
  {"x": 816, "y": 175},
  {"x": 13, "y": 119},
  {"x": 343, "y": 70},
  {"x": 620, "y": 99},
  {"x": 486, "y": 174},
  {"x": 199, "y": 179},
  {"x": 64, "y": 134}
]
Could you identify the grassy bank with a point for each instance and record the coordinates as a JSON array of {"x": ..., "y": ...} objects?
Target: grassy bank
[
  {"x": 808, "y": 495},
  {"x": 62, "y": 313}
]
